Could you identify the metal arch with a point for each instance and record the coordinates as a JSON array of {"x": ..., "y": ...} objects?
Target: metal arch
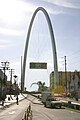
[{"x": 53, "y": 47}]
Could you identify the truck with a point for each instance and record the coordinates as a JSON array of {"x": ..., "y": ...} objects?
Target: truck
[
  {"x": 44, "y": 96},
  {"x": 49, "y": 101},
  {"x": 53, "y": 103}
]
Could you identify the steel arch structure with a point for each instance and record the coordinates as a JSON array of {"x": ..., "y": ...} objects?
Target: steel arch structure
[{"x": 53, "y": 47}]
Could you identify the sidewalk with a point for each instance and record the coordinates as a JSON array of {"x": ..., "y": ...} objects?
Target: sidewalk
[
  {"x": 37, "y": 101},
  {"x": 8, "y": 102},
  {"x": 70, "y": 99}
]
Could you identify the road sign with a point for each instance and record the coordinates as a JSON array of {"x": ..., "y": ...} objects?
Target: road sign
[{"x": 37, "y": 65}]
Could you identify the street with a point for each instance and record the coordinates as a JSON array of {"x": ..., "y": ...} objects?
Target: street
[
  {"x": 42, "y": 113},
  {"x": 14, "y": 112},
  {"x": 39, "y": 112}
]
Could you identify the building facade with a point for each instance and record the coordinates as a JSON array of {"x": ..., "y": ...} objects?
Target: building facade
[
  {"x": 2, "y": 78},
  {"x": 3, "y": 89},
  {"x": 69, "y": 80}
]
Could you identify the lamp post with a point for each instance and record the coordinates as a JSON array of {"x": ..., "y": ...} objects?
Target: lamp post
[
  {"x": 16, "y": 88},
  {"x": 11, "y": 72},
  {"x": 65, "y": 75}
]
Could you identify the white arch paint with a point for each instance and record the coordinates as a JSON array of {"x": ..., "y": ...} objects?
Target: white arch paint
[{"x": 53, "y": 48}]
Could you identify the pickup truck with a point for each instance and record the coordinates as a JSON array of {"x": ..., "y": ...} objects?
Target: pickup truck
[{"x": 53, "y": 103}]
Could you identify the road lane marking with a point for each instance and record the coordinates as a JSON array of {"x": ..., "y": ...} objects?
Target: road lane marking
[{"x": 12, "y": 112}]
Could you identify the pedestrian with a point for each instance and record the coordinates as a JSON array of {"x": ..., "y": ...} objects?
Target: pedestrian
[
  {"x": 17, "y": 100},
  {"x": 76, "y": 96},
  {"x": 2, "y": 102}
]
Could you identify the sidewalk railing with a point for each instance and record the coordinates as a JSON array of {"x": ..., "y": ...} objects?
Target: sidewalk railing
[{"x": 28, "y": 113}]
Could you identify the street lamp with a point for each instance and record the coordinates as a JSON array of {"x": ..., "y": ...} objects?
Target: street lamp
[
  {"x": 10, "y": 89},
  {"x": 16, "y": 87}
]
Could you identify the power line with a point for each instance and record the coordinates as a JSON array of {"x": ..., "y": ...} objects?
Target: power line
[
  {"x": 73, "y": 63},
  {"x": 70, "y": 59},
  {"x": 74, "y": 53}
]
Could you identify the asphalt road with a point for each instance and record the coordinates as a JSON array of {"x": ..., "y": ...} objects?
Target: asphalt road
[
  {"x": 39, "y": 112},
  {"x": 14, "y": 112},
  {"x": 42, "y": 113}
]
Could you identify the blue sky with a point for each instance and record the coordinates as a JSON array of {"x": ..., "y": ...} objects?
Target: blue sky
[{"x": 15, "y": 16}]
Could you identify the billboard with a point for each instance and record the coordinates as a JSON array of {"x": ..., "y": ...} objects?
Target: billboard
[{"x": 38, "y": 65}]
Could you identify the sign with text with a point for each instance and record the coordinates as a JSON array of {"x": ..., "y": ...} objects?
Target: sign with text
[{"x": 37, "y": 65}]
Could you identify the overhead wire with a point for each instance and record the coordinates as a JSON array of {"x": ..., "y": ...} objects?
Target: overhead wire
[
  {"x": 41, "y": 44},
  {"x": 74, "y": 61},
  {"x": 72, "y": 55}
]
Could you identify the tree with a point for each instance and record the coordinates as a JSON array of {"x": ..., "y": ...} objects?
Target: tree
[{"x": 41, "y": 86}]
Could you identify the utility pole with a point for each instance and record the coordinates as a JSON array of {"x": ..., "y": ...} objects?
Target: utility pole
[
  {"x": 65, "y": 75},
  {"x": 5, "y": 66},
  {"x": 69, "y": 83},
  {"x": 21, "y": 75},
  {"x": 16, "y": 87},
  {"x": 11, "y": 72}
]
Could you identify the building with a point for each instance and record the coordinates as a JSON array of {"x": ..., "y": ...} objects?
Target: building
[
  {"x": 2, "y": 77},
  {"x": 2, "y": 86},
  {"x": 69, "y": 80}
]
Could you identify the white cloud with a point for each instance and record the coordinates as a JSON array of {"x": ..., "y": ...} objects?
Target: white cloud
[
  {"x": 13, "y": 11},
  {"x": 4, "y": 44},
  {"x": 55, "y": 11},
  {"x": 6, "y": 31},
  {"x": 13, "y": 14},
  {"x": 64, "y": 3},
  {"x": 15, "y": 7}
]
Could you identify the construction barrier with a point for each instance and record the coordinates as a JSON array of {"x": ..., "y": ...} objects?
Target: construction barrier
[{"x": 28, "y": 113}]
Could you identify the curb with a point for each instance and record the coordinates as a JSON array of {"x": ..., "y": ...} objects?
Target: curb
[{"x": 6, "y": 106}]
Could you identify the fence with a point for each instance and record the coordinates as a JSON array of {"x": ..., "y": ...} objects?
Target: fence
[{"x": 28, "y": 113}]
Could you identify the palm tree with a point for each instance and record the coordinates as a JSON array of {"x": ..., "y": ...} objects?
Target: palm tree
[{"x": 41, "y": 86}]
